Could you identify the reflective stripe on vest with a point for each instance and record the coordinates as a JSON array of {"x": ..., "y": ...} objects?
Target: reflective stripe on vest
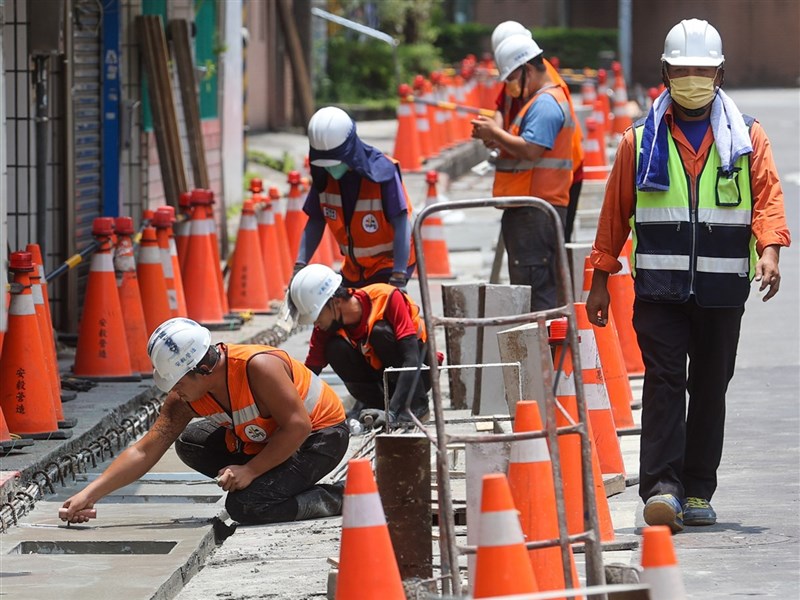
[{"x": 706, "y": 224}]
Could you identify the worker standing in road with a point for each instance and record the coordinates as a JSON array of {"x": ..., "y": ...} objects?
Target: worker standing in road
[
  {"x": 272, "y": 428},
  {"x": 535, "y": 160},
  {"x": 509, "y": 107},
  {"x": 696, "y": 183},
  {"x": 359, "y": 193},
  {"x": 360, "y": 332}
]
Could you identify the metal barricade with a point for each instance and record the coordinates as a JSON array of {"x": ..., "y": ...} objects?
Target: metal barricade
[{"x": 449, "y": 549}]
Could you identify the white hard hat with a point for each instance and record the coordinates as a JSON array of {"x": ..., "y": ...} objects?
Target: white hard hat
[
  {"x": 693, "y": 43},
  {"x": 175, "y": 348},
  {"x": 311, "y": 289},
  {"x": 513, "y": 52},
  {"x": 505, "y": 29},
  {"x": 328, "y": 129}
]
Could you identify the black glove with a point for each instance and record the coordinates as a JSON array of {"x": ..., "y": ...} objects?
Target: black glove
[
  {"x": 298, "y": 266},
  {"x": 373, "y": 418},
  {"x": 398, "y": 280}
]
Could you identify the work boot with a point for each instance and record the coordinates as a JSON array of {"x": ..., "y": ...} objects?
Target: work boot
[
  {"x": 664, "y": 509},
  {"x": 698, "y": 511},
  {"x": 322, "y": 500}
]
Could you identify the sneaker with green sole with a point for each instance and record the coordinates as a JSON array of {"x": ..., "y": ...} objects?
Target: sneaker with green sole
[
  {"x": 664, "y": 509},
  {"x": 698, "y": 511}
]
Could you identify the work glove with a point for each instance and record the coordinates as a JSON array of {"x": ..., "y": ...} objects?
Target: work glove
[
  {"x": 373, "y": 418},
  {"x": 298, "y": 266},
  {"x": 398, "y": 280}
]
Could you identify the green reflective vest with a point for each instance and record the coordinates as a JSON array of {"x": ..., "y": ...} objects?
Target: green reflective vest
[{"x": 695, "y": 240}]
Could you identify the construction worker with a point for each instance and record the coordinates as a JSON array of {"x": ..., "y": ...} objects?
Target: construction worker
[
  {"x": 359, "y": 193},
  {"x": 360, "y": 332},
  {"x": 509, "y": 107},
  {"x": 272, "y": 428},
  {"x": 696, "y": 184},
  {"x": 535, "y": 160}
]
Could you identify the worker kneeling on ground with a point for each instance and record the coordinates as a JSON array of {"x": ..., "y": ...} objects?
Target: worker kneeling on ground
[
  {"x": 272, "y": 428},
  {"x": 360, "y": 332}
]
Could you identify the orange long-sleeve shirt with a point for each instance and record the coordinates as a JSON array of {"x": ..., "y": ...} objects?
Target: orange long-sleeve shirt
[{"x": 769, "y": 219}]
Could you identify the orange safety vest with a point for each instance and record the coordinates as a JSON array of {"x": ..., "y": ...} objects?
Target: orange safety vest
[
  {"x": 550, "y": 177},
  {"x": 379, "y": 294},
  {"x": 577, "y": 135},
  {"x": 367, "y": 241},
  {"x": 247, "y": 430}
]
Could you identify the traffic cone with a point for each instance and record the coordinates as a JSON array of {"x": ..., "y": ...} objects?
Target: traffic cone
[
  {"x": 423, "y": 125},
  {"x": 247, "y": 286},
  {"x": 622, "y": 119},
  {"x": 437, "y": 135},
  {"x": 182, "y": 226},
  {"x": 152, "y": 286},
  {"x": 336, "y": 251},
  {"x": 588, "y": 90},
  {"x": 613, "y": 362},
  {"x": 9, "y": 442},
  {"x": 287, "y": 260},
  {"x": 659, "y": 565},
  {"x": 323, "y": 255},
  {"x": 25, "y": 390},
  {"x": 161, "y": 221},
  {"x": 130, "y": 298},
  {"x": 48, "y": 348},
  {"x": 268, "y": 242},
  {"x": 602, "y": 106},
  {"x": 598, "y": 404},
  {"x": 200, "y": 280},
  {"x": 530, "y": 476},
  {"x": 167, "y": 215},
  {"x": 569, "y": 446},
  {"x": 36, "y": 253},
  {"x": 205, "y": 200},
  {"x": 102, "y": 351},
  {"x": 620, "y": 288},
  {"x": 407, "y": 149},
  {"x": 595, "y": 165},
  {"x": 502, "y": 564},
  {"x": 295, "y": 217},
  {"x": 437, "y": 258},
  {"x": 367, "y": 566}
]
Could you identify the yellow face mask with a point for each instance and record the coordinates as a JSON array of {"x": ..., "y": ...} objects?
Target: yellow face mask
[
  {"x": 513, "y": 88},
  {"x": 692, "y": 92}
]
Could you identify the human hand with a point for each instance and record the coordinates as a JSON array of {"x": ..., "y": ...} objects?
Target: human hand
[
  {"x": 78, "y": 509},
  {"x": 373, "y": 418},
  {"x": 768, "y": 273},
  {"x": 597, "y": 305},
  {"x": 235, "y": 477},
  {"x": 484, "y": 128}
]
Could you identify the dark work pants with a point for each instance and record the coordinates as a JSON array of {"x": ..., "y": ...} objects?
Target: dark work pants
[
  {"x": 530, "y": 242},
  {"x": 680, "y": 451},
  {"x": 572, "y": 208},
  {"x": 363, "y": 382},
  {"x": 284, "y": 493}
]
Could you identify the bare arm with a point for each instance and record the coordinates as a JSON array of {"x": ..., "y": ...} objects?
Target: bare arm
[
  {"x": 136, "y": 460},
  {"x": 493, "y": 135},
  {"x": 275, "y": 396}
]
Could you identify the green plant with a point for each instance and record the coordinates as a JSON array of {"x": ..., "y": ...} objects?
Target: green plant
[
  {"x": 577, "y": 48},
  {"x": 455, "y": 41}
]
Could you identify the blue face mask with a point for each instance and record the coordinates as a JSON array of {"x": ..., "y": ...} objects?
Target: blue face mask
[{"x": 337, "y": 171}]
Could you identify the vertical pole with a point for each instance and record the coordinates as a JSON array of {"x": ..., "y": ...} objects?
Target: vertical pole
[
  {"x": 3, "y": 194},
  {"x": 110, "y": 52},
  {"x": 41, "y": 128},
  {"x": 625, "y": 41}
]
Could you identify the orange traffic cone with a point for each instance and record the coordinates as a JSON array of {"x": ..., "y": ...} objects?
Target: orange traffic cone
[
  {"x": 247, "y": 286},
  {"x": 152, "y": 286},
  {"x": 407, "y": 148},
  {"x": 437, "y": 135},
  {"x": 602, "y": 107},
  {"x": 295, "y": 217},
  {"x": 423, "y": 125},
  {"x": 323, "y": 255},
  {"x": 130, "y": 298},
  {"x": 622, "y": 119},
  {"x": 569, "y": 446},
  {"x": 200, "y": 281},
  {"x": 25, "y": 395},
  {"x": 36, "y": 253},
  {"x": 182, "y": 226},
  {"x": 502, "y": 564},
  {"x": 268, "y": 242},
  {"x": 437, "y": 258},
  {"x": 49, "y": 348},
  {"x": 102, "y": 351},
  {"x": 7, "y": 441},
  {"x": 173, "y": 253},
  {"x": 367, "y": 566},
  {"x": 597, "y": 402},
  {"x": 659, "y": 566},
  {"x": 612, "y": 361},
  {"x": 530, "y": 475},
  {"x": 588, "y": 90},
  {"x": 161, "y": 222},
  {"x": 205, "y": 201},
  {"x": 287, "y": 260},
  {"x": 595, "y": 165},
  {"x": 620, "y": 288}
]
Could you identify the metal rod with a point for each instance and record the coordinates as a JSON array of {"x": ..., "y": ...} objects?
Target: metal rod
[{"x": 42, "y": 143}]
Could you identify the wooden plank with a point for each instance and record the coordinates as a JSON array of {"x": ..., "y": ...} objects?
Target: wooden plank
[
  {"x": 181, "y": 51},
  {"x": 302, "y": 80}
]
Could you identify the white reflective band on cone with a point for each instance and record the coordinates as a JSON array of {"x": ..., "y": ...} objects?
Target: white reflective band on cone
[
  {"x": 362, "y": 510},
  {"x": 21, "y": 305},
  {"x": 102, "y": 263},
  {"x": 499, "y": 528},
  {"x": 404, "y": 110},
  {"x": 266, "y": 217},
  {"x": 665, "y": 583},
  {"x": 529, "y": 451},
  {"x": 149, "y": 255},
  {"x": 596, "y": 396},
  {"x": 433, "y": 233},
  {"x": 248, "y": 223}
]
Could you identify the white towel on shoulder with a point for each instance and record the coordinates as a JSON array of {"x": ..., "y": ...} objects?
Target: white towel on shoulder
[{"x": 730, "y": 131}]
